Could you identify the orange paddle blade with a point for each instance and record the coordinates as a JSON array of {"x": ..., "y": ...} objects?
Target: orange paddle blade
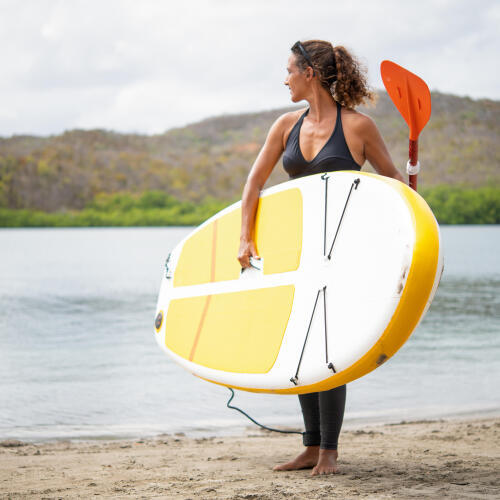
[{"x": 409, "y": 93}]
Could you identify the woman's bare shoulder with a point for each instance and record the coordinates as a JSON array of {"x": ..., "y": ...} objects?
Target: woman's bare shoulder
[
  {"x": 285, "y": 123},
  {"x": 358, "y": 122},
  {"x": 290, "y": 118}
]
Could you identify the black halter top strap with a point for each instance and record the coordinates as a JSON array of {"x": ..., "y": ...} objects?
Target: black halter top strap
[{"x": 334, "y": 155}]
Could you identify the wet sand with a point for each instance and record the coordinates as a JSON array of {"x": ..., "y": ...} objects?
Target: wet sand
[{"x": 428, "y": 459}]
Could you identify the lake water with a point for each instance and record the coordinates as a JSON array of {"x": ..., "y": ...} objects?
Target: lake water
[{"x": 78, "y": 357}]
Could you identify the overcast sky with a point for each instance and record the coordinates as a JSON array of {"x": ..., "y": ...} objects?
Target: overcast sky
[{"x": 149, "y": 65}]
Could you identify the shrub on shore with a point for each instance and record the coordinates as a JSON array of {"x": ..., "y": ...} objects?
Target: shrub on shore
[{"x": 458, "y": 205}]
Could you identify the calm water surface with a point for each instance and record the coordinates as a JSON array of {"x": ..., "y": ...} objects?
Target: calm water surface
[{"x": 78, "y": 356}]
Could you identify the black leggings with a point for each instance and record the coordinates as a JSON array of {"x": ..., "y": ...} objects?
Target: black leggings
[{"x": 323, "y": 415}]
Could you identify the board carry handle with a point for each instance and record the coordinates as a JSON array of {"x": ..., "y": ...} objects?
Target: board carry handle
[
  {"x": 257, "y": 264},
  {"x": 411, "y": 96},
  {"x": 168, "y": 269}
]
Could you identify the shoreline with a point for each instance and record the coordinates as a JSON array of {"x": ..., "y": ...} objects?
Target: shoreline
[
  {"x": 452, "y": 458},
  {"x": 233, "y": 428}
]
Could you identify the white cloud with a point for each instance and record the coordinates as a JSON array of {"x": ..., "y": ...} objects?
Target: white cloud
[{"x": 151, "y": 65}]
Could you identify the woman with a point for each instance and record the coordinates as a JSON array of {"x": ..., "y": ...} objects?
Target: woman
[{"x": 330, "y": 135}]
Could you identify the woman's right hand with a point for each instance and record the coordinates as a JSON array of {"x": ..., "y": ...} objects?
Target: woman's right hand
[{"x": 247, "y": 250}]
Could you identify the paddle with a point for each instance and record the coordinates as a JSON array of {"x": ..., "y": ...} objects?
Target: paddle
[{"x": 411, "y": 96}]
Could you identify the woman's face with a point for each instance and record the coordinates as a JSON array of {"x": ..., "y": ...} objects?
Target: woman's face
[{"x": 296, "y": 80}]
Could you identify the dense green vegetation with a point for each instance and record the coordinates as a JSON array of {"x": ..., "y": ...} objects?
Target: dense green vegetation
[
  {"x": 153, "y": 208},
  {"x": 450, "y": 204},
  {"x": 457, "y": 205}
]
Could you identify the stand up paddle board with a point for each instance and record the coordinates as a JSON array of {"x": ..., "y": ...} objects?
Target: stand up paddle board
[{"x": 350, "y": 263}]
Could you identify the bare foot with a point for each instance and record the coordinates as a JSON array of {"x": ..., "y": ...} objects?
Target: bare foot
[
  {"x": 306, "y": 460},
  {"x": 327, "y": 463}
]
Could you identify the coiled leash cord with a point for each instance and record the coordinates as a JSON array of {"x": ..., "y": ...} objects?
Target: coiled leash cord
[{"x": 255, "y": 421}]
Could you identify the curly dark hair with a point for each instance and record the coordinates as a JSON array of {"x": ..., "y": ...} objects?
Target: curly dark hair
[{"x": 338, "y": 71}]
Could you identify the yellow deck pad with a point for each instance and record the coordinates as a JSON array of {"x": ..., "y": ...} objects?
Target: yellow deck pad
[
  {"x": 278, "y": 234},
  {"x": 239, "y": 332},
  {"x": 210, "y": 255},
  {"x": 196, "y": 260}
]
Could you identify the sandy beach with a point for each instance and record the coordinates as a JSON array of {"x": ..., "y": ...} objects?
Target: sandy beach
[{"x": 426, "y": 459}]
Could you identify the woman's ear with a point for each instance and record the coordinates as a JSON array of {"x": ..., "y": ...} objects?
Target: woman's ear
[{"x": 310, "y": 73}]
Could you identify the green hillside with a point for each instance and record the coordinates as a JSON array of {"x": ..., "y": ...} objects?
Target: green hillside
[{"x": 207, "y": 162}]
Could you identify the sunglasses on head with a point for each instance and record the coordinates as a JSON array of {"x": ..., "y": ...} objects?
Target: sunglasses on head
[{"x": 304, "y": 53}]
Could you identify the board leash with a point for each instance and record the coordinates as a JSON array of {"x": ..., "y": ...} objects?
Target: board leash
[{"x": 228, "y": 404}]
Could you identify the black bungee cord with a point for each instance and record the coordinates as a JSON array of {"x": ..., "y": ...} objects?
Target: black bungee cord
[
  {"x": 294, "y": 379},
  {"x": 255, "y": 421}
]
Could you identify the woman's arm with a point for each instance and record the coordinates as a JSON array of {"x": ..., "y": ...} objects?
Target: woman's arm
[
  {"x": 375, "y": 150},
  {"x": 261, "y": 170}
]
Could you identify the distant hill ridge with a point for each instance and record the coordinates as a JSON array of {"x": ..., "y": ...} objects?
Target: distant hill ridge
[{"x": 212, "y": 158}]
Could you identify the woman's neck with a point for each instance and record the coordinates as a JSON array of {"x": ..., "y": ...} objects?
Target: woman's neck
[{"x": 321, "y": 104}]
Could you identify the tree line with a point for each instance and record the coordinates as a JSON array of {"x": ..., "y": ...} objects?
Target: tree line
[{"x": 450, "y": 204}]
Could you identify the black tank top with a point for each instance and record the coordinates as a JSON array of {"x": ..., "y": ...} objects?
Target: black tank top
[{"x": 334, "y": 155}]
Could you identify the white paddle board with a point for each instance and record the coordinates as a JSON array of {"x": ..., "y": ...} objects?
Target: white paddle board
[{"x": 350, "y": 262}]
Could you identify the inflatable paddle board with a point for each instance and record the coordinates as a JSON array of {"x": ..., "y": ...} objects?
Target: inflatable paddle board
[{"x": 350, "y": 262}]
